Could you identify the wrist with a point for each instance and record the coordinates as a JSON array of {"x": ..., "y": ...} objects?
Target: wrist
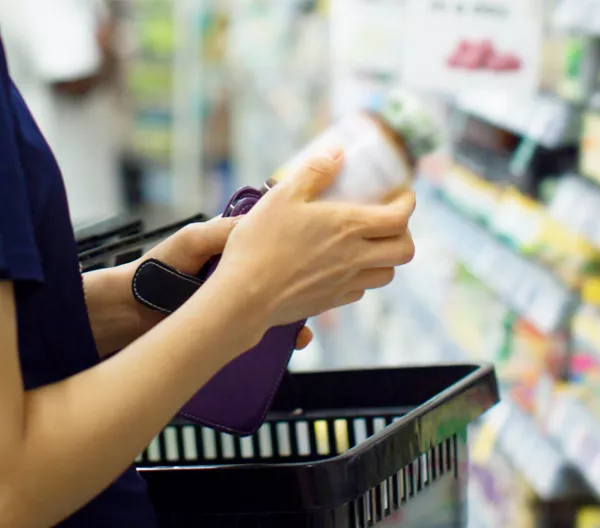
[
  {"x": 246, "y": 303},
  {"x": 116, "y": 319}
]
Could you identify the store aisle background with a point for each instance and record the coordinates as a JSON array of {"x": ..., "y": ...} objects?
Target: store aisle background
[{"x": 222, "y": 93}]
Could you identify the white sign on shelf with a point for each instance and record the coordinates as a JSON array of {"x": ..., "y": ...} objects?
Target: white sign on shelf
[{"x": 458, "y": 45}]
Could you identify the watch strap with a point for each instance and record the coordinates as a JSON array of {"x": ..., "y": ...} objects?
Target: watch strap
[{"x": 162, "y": 288}]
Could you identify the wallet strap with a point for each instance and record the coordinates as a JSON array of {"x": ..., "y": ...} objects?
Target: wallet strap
[{"x": 162, "y": 288}]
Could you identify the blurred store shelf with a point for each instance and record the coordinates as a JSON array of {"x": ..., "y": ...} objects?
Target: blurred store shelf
[
  {"x": 525, "y": 285},
  {"x": 577, "y": 430},
  {"x": 545, "y": 119}
]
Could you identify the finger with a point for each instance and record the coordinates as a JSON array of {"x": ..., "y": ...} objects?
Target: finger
[
  {"x": 384, "y": 221},
  {"x": 372, "y": 279},
  {"x": 315, "y": 175},
  {"x": 387, "y": 252},
  {"x": 349, "y": 298},
  {"x": 304, "y": 338},
  {"x": 394, "y": 194},
  {"x": 207, "y": 238}
]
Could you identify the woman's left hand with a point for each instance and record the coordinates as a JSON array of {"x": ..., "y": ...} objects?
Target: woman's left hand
[{"x": 190, "y": 248}]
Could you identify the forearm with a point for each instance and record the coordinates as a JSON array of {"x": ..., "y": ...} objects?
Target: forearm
[
  {"x": 116, "y": 319},
  {"x": 81, "y": 433}
]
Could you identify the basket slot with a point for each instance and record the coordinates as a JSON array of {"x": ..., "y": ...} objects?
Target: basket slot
[
  {"x": 455, "y": 455},
  {"x": 368, "y": 500},
  {"x": 247, "y": 448},
  {"x": 378, "y": 499},
  {"x": 343, "y": 441},
  {"x": 284, "y": 442},
  {"x": 171, "y": 444},
  {"x": 265, "y": 441},
  {"x": 190, "y": 442},
  {"x": 360, "y": 430},
  {"x": 386, "y": 499},
  {"x": 302, "y": 436},
  {"x": 404, "y": 485},
  {"x": 379, "y": 424},
  {"x": 441, "y": 459},
  {"x": 410, "y": 483},
  {"x": 424, "y": 471},
  {"x": 322, "y": 435},
  {"x": 227, "y": 446},
  {"x": 208, "y": 444},
  {"x": 433, "y": 470},
  {"x": 361, "y": 519},
  {"x": 396, "y": 491},
  {"x": 153, "y": 453}
]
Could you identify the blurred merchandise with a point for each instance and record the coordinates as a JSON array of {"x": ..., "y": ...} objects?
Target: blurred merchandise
[
  {"x": 590, "y": 146},
  {"x": 177, "y": 70},
  {"x": 589, "y": 518},
  {"x": 279, "y": 83},
  {"x": 366, "y": 41}
]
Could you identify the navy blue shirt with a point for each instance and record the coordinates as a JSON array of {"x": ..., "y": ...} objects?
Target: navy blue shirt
[{"x": 38, "y": 253}]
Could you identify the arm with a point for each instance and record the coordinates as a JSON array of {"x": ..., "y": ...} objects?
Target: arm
[
  {"x": 116, "y": 319},
  {"x": 97, "y": 422},
  {"x": 60, "y": 445}
]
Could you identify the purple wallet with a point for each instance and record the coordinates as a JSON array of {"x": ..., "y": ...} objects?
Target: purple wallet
[{"x": 237, "y": 399}]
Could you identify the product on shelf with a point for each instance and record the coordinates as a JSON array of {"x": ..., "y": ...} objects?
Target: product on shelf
[
  {"x": 589, "y": 163},
  {"x": 585, "y": 332},
  {"x": 474, "y": 196},
  {"x": 563, "y": 246},
  {"x": 572, "y": 85},
  {"x": 482, "y": 55},
  {"x": 381, "y": 148},
  {"x": 588, "y": 518}
]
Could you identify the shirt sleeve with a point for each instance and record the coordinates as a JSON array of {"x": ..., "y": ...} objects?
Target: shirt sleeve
[
  {"x": 57, "y": 36},
  {"x": 19, "y": 256}
]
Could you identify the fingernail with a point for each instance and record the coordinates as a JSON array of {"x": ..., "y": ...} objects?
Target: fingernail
[{"x": 333, "y": 152}]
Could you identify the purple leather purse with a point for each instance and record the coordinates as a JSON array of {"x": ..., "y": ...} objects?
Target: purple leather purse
[{"x": 237, "y": 399}]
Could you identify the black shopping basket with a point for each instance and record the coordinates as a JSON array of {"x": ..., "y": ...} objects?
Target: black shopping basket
[{"x": 349, "y": 449}]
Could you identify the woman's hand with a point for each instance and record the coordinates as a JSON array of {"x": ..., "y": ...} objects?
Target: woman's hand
[
  {"x": 301, "y": 256},
  {"x": 117, "y": 319},
  {"x": 189, "y": 249}
]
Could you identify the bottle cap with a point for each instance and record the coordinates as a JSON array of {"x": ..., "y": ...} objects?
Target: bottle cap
[{"x": 408, "y": 116}]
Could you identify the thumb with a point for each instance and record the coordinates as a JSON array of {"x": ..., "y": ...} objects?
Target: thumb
[{"x": 317, "y": 173}]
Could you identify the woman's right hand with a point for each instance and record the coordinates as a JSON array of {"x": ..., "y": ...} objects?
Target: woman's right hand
[{"x": 301, "y": 256}]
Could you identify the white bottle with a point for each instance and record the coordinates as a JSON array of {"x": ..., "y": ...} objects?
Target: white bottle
[{"x": 381, "y": 149}]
